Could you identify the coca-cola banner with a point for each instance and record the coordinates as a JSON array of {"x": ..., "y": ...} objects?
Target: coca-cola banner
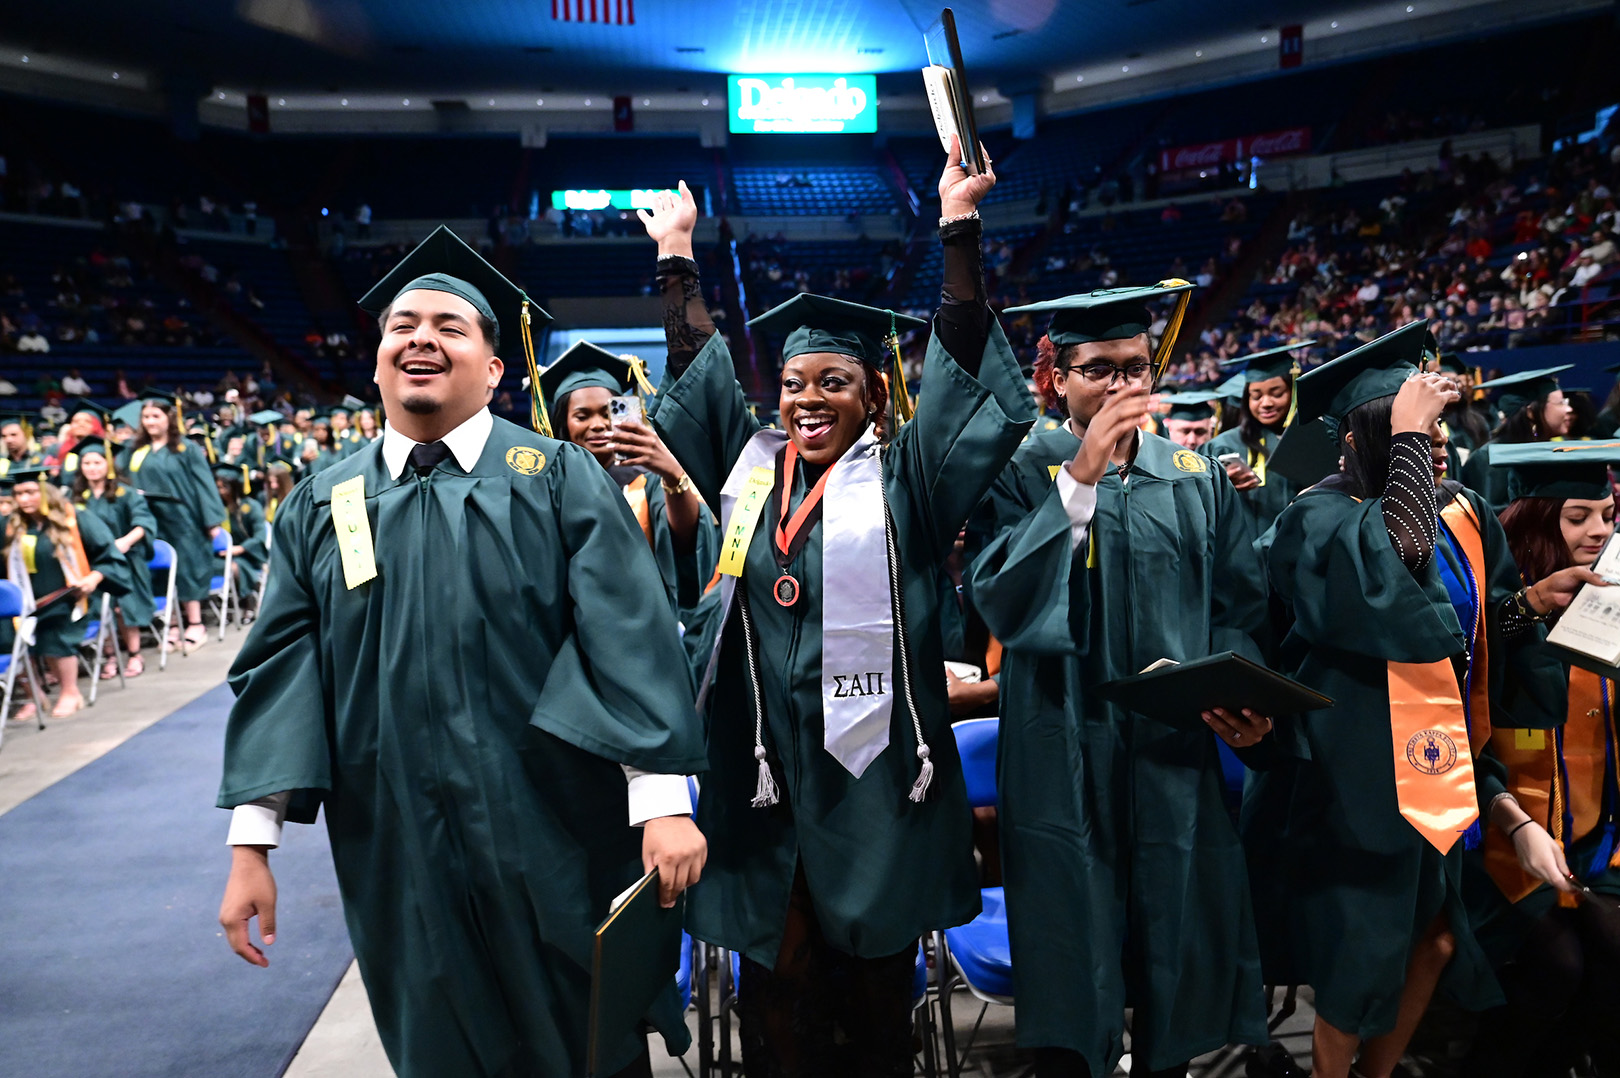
[{"x": 1290, "y": 140}]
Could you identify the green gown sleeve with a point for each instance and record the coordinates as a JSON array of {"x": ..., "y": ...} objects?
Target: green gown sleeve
[
  {"x": 966, "y": 429},
  {"x": 207, "y": 504},
  {"x": 1025, "y": 583},
  {"x": 104, "y": 555},
  {"x": 140, "y": 516},
  {"x": 586, "y": 700},
  {"x": 1332, "y": 562},
  {"x": 252, "y": 543},
  {"x": 703, "y": 418},
  {"x": 1238, "y": 610},
  {"x": 277, "y": 738}
]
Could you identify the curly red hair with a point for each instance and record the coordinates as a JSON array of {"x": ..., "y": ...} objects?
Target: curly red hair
[{"x": 1046, "y": 356}]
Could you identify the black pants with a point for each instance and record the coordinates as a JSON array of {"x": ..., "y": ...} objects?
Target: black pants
[
  {"x": 822, "y": 1013},
  {"x": 1064, "y": 1063},
  {"x": 1563, "y": 993}
]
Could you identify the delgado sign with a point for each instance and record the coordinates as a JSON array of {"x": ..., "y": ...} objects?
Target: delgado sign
[
  {"x": 1210, "y": 154},
  {"x": 802, "y": 103}
]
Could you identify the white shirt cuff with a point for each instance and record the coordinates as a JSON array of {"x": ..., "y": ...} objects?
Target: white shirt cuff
[
  {"x": 1079, "y": 501},
  {"x": 258, "y": 823},
  {"x": 652, "y": 796}
]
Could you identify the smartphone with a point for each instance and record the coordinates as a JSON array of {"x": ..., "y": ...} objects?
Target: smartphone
[
  {"x": 625, "y": 409},
  {"x": 1229, "y": 459}
]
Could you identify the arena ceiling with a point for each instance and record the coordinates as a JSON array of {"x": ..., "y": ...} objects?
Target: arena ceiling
[{"x": 449, "y": 46}]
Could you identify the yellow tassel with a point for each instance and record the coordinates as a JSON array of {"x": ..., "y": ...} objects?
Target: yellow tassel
[
  {"x": 1172, "y": 328},
  {"x": 1293, "y": 397},
  {"x": 899, "y": 393},
  {"x": 247, "y": 481},
  {"x": 537, "y": 398},
  {"x": 638, "y": 371}
]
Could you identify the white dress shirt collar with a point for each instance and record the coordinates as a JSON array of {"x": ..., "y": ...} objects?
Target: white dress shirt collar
[{"x": 466, "y": 443}]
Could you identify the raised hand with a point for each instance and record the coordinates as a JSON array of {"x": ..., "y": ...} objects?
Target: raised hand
[
  {"x": 1120, "y": 415},
  {"x": 959, "y": 191},
  {"x": 1557, "y": 591},
  {"x": 639, "y": 445},
  {"x": 671, "y": 220},
  {"x": 1420, "y": 401}
]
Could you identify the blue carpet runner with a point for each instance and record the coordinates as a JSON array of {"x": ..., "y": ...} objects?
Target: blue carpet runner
[{"x": 112, "y": 961}]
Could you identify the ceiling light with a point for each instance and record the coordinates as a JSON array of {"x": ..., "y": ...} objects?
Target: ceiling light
[
  {"x": 1125, "y": 67},
  {"x": 646, "y": 101},
  {"x": 25, "y": 59},
  {"x": 115, "y": 74},
  {"x": 1410, "y": 9},
  {"x": 1198, "y": 52},
  {"x": 705, "y": 102},
  {"x": 1334, "y": 24},
  {"x": 407, "y": 101},
  {"x": 984, "y": 98},
  {"x": 345, "y": 101},
  {"x": 1264, "y": 40},
  {"x": 587, "y": 102},
  {"x": 221, "y": 93},
  {"x": 1079, "y": 78},
  {"x": 281, "y": 100},
  {"x": 539, "y": 101}
]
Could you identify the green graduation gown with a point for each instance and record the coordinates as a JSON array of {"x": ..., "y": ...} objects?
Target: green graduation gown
[
  {"x": 463, "y": 717},
  {"x": 1488, "y": 482},
  {"x": 881, "y": 869},
  {"x": 56, "y": 634},
  {"x": 1364, "y": 885},
  {"x": 246, "y": 526},
  {"x": 185, "y": 503},
  {"x": 126, "y": 510},
  {"x": 1265, "y": 503},
  {"x": 1125, "y": 879}
]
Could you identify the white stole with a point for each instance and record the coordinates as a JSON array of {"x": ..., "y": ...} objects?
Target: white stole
[{"x": 857, "y": 609}]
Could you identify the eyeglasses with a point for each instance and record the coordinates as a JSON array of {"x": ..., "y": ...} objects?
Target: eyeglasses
[{"x": 1107, "y": 373}]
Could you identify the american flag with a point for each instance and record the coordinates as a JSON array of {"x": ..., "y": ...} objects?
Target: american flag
[{"x": 622, "y": 12}]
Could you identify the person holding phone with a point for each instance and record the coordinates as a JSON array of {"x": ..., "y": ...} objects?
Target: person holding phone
[
  {"x": 1108, "y": 549},
  {"x": 1246, "y": 450},
  {"x": 592, "y": 397},
  {"x": 1543, "y": 888}
]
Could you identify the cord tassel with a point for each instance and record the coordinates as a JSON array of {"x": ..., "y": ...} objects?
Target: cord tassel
[
  {"x": 765, "y": 793},
  {"x": 919, "y": 789}
]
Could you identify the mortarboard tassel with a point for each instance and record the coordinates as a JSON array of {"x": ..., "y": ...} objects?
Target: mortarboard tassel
[
  {"x": 247, "y": 481},
  {"x": 638, "y": 371},
  {"x": 1172, "y": 329},
  {"x": 899, "y": 394},
  {"x": 537, "y": 398}
]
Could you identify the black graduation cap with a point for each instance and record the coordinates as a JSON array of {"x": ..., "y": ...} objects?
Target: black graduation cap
[
  {"x": 1577, "y": 469},
  {"x": 32, "y": 474},
  {"x": 444, "y": 263},
  {"x": 93, "y": 447},
  {"x": 1271, "y": 363},
  {"x": 1525, "y": 388},
  {"x": 1377, "y": 369},
  {"x": 1191, "y": 406}
]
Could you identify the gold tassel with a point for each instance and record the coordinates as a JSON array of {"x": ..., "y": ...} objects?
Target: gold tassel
[
  {"x": 1172, "y": 328},
  {"x": 537, "y": 398},
  {"x": 899, "y": 393},
  {"x": 1293, "y": 395},
  {"x": 638, "y": 371},
  {"x": 247, "y": 481}
]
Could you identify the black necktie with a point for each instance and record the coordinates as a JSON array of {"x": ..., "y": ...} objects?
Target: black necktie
[{"x": 425, "y": 457}]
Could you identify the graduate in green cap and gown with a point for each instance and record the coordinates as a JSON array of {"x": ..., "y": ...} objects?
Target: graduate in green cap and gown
[
  {"x": 1190, "y": 422},
  {"x": 1533, "y": 410},
  {"x": 1400, "y": 585},
  {"x": 175, "y": 476},
  {"x": 1110, "y": 549},
  {"x": 587, "y": 389},
  {"x": 835, "y": 801},
  {"x": 17, "y": 446},
  {"x": 1469, "y": 422},
  {"x": 100, "y": 491},
  {"x": 1268, "y": 404},
  {"x": 47, "y": 546},
  {"x": 244, "y": 519},
  {"x": 434, "y": 665},
  {"x": 1542, "y": 889}
]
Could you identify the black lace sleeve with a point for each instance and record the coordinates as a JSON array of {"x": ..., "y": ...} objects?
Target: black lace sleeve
[
  {"x": 687, "y": 325},
  {"x": 963, "y": 322},
  {"x": 1510, "y": 621},
  {"x": 1411, "y": 507}
]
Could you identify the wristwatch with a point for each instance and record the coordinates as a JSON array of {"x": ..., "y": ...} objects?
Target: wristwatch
[{"x": 682, "y": 485}]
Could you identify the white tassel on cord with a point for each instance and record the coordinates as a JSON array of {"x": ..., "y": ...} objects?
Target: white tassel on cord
[
  {"x": 919, "y": 789},
  {"x": 765, "y": 794}
]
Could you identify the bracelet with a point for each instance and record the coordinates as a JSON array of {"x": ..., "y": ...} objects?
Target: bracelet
[
  {"x": 682, "y": 485},
  {"x": 971, "y": 215},
  {"x": 1521, "y": 603},
  {"x": 1519, "y": 827}
]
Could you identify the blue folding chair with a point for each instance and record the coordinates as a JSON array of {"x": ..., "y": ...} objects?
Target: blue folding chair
[
  {"x": 222, "y": 586},
  {"x": 163, "y": 561},
  {"x": 977, "y": 955},
  {"x": 18, "y": 661}
]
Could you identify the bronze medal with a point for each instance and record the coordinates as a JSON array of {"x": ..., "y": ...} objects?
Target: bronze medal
[{"x": 786, "y": 590}]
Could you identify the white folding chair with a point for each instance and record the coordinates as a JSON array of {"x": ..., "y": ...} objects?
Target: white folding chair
[
  {"x": 264, "y": 571},
  {"x": 163, "y": 560},
  {"x": 19, "y": 661},
  {"x": 222, "y": 586},
  {"x": 97, "y": 631}
]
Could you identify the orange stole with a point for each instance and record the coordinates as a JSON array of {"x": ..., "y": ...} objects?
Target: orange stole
[
  {"x": 635, "y": 492},
  {"x": 1429, "y": 730},
  {"x": 1531, "y": 757}
]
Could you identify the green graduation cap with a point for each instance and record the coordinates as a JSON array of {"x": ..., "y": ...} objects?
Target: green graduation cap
[
  {"x": 1525, "y": 388},
  {"x": 85, "y": 404},
  {"x": 1191, "y": 406},
  {"x": 1451, "y": 361},
  {"x": 92, "y": 447},
  {"x": 28, "y": 475},
  {"x": 811, "y": 323},
  {"x": 1271, "y": 363},
  {"x": 267, "y": 418},
  {"x": 444, "y": 263},
  {"x": 1114, "y": 314},
  {"x": 1377, "y": 369},
  {"x": 1578, "y": 469},
  {"x": 1233, "y": 388},
  {"x": 584, "y": 366},
  {"x": 128, "y": 415}
]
